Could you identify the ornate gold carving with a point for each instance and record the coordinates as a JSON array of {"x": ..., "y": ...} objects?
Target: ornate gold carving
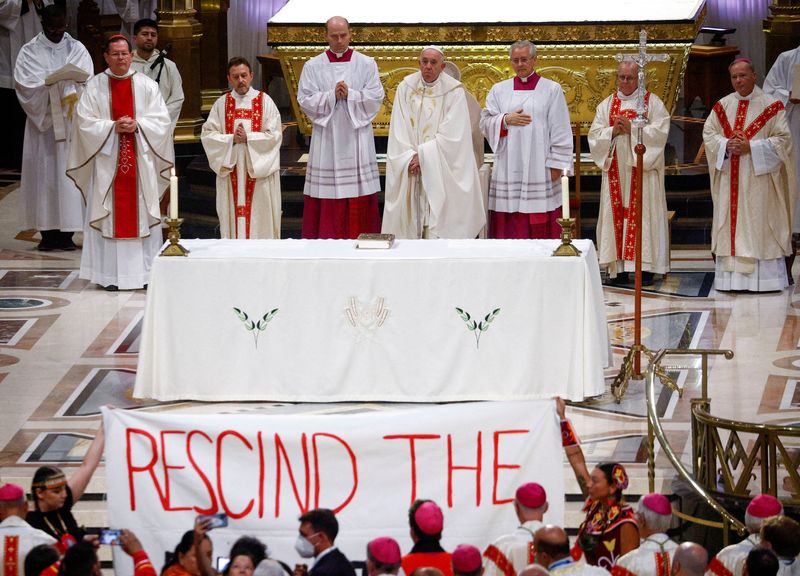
[
  {"x": 385, "y": 33},
  {"x": 586, "y": 72}
]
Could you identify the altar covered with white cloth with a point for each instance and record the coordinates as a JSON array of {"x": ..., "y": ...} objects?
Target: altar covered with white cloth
[{"x": 425, "y": 321}]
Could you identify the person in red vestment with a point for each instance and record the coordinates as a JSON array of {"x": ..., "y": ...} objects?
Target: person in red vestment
[
  {"x": 609, "y": 529},
  {"x": 427, "y": 521},
  {"x": 120, "y": 156}
]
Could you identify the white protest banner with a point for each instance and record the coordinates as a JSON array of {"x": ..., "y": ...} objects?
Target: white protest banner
[{"x": 264, "y": 471}]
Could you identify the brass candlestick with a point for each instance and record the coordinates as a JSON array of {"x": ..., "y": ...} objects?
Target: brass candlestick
[
  {"x": 567, "y": 248},
  {"x": 174, "y": 237}
]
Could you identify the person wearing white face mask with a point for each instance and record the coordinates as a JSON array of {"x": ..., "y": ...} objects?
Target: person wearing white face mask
[{"x": 317, "y": 533}]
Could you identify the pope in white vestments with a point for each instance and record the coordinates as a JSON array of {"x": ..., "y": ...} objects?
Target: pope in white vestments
[
  {"x": 526, "y": 121},
  {"x": 753, "y": 186},
  {"x": 242, "y": 139},
  {"x": 432, "y": 185},
  {"x": 165, "y": 73},
  {"x": 120, "y": 159},
  {"x": 341, "y": 93},
  {"x": 612, "y": 142},
  {"x": 50, "y": 202}
]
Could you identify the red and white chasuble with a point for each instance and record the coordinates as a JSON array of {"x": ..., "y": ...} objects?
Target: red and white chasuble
[
  {"x": 248, "y": 177},
  {"x": 753, "y": 194},
  {"x": 616, "y": 157},
  {"x": 243, "y": 196},
  {"x": 17, "y": 538},
  {"x": 511, "y": 553},
  {"x": 653, "y": 557},
  {"x": 752, "y": 129}
]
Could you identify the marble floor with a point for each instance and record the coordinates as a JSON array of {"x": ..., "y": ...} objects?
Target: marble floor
[{"x": 68, "y": 347}]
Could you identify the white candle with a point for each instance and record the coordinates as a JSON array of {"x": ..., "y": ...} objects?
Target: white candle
[
  {"x": 564, "y": 195},
  {"x": 173, "y": 196}
]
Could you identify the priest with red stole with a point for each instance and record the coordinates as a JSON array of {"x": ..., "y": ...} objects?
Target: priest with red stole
[
  {"x": 753, "y": 185},
  {"x": 242, "y": 140},
  {"x": 120, "y": 159},
  {"x": 341, "y": 93},
  {"x": 526, "y": 121}
]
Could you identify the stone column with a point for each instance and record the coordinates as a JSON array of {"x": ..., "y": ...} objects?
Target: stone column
[
  {"x": 782, "y": 29},
  {"x": 177, "y": 24},
  {"x": 213, "y": 17}
]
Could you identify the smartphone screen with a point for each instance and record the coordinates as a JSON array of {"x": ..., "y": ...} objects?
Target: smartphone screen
[
  {"x": 222, "y": 563},
  {"x": 109, "y": 536},
  {"x": 217, "y": 520}
]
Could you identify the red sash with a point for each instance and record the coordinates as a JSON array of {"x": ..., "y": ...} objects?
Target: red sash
[
  {"x": 663, "y": 566},
  {"x": 11, "y": 556},
  {"x": 253, "y": 114},
  {"x": 754, "y": 127},
  {"x": 718, "y": 568},
  {"x": 618, "y": 211},
  {"x": 503, "y": 564},
  {"x": 126, "y": 205}
]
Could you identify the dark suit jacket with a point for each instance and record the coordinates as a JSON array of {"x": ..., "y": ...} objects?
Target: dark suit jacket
[{"x": 333, "y": 564}]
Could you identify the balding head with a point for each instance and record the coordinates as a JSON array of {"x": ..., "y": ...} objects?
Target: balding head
[
  {"x": 627, "y": 77},
  {"x": 337, "y": 33},
  {"x": 690, "y": 560},
  {"x": 551, "y": 544},
  {"x": 534, "y": 570}
]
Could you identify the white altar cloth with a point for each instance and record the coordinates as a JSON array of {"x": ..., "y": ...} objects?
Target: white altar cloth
[{"x": 319, "y": 321}]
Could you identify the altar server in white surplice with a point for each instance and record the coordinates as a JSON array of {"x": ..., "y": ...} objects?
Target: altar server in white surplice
[
  {"x": 753, "y": 185},
  {"x": 654, "y": 555},
  {"x": 341, "y": 93},
  {"x": 50, "y": 202},
  {"x": 120, "y": 158},
  {"x": 612, "y": 142},
  {"x": 19, "y": 24},
  {"x": 432, "y": 186},
  {"x": 526, "y": 121},
  {"x": 242, "y": 139}
]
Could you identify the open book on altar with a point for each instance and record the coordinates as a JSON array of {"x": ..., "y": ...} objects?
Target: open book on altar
[{"x": 67, "y": 72}]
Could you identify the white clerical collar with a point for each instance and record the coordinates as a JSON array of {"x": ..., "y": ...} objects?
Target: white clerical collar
[
  {"x": 130, "y": 72},
  {"x": 528, "y": 77},
  {"x": 239, "y": 97},
  {"x": 340, "y": 54},
  {"x": 630, "y": 96},
  {"x": 430, "y": 84},
  {"x": 749, "y": 96}
]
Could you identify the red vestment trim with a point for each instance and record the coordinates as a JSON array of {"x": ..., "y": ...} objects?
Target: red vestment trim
[
  {"x": 11, "y": 556},
  {"x": 718, "y": 568},
  {"x": 126, "y": 204},
  {"x": 332, "y": 57},
  {"x": 232, "y": 113},
  {"x": 503, "y": 564},
  {"x": 662, "y": 564},
  {"x": 738, "y": 126},
  {"x": 618, "y": 570},
  {"x": 620, "y": 214}
]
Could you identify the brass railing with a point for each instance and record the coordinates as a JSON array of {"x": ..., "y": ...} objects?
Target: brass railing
[
  {"x": 727, "y": 466},
  {"x": 656, "y": 432}
]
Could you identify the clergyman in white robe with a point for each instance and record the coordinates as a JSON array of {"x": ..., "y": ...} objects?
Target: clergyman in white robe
[
  {"x": 342, "y": 184},
  {"x": 50, "y": 202},
  {"x": 754, "y": 192},
  {"x": 120, "y": 243},
  {"x": 430, "y": 123},
  {"x": 778, "y": 84},
  {"x": 248, "y": 175},
  {"x": 612, "y": 150},
  {"x": 19, "y": 24},
  {"x": 524, "y": 196}
]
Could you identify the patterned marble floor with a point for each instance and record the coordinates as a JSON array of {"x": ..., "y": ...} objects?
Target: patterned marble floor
[{"x": 68, "y": 347}]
